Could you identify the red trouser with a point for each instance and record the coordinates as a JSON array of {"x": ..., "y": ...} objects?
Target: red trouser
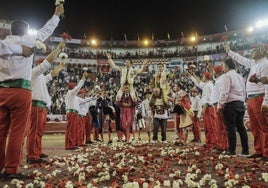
[
  {"x": 35, "y": 132},
  {"x": 15, "y": 109},
  {"x": 126, "y": 115},
  {"x": 258, "y": 125},
  {"x": 221, "y": 132},
  {"x": 88, "y": 128},
  {"x": 209, "y": 123},
  {"x": 81, "y": 131},
  {"x": 196, "y": 127},
  {"x": 71, "y": 130}
]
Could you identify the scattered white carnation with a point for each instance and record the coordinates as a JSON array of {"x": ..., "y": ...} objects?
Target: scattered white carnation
[{"x": 265, "y": 176}]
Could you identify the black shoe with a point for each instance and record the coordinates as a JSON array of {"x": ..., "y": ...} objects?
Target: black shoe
[
  {"x": 90, "y": 142},
  {"x": 109, "y": 142},
  {"x": 43, "y": 155},
  {"x": 14, "y": 176},
  {"x": 229, "y": 153},
  {"x": 33, "y": 161},
  {"x": 244, "y": 154},
  {"x": 255, "y": 155}
]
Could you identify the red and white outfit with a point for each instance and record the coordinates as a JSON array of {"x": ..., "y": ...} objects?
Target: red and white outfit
[
  {"x": 196, "y": 107},
  {"x": 209, "y": 115},
  {"x": 72, "y": 109},
  {"x": 220, "y": 127},
  {"x": 85, "y": 124},
  {"x": 257, "y": 95},
  {"x": 15, "y": 97},
  {"x": 40, "y": 103}
]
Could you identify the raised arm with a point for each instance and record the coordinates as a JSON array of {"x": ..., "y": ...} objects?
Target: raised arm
[
  {"x": 142, "y": 69},
  {"x": 112, "y": 64},
  {"x": 238, "y": 58}
]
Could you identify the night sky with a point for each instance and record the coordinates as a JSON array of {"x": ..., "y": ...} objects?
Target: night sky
[{"x": 114, "y": 18}]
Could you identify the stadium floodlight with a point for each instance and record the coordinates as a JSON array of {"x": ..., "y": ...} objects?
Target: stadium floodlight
[
  {"x": 250, "y": 29},
  {"x": 93, "y": 42},
  {"x": 262, "y": 23},
  {"x": 32, "y": 31},
  {"x": 145, "y": 42},
  {"x": 193, "y": 39}
]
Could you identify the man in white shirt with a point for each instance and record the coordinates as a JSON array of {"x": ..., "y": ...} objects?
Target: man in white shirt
[
  {"x": 257, "y": 94},
  {"x": 41, "y": 101},
  {"x": 8, "y": 48},
  {"x": 15, "y": 94},
  {"x": 208, "y": 109}
]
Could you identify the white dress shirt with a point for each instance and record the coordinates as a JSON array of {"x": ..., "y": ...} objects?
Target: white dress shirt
[{"x": 19, "y": 67}]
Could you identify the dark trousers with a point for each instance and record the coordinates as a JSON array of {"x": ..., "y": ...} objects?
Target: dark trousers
[
  {"x": 160, "y": 123},
  {"x": 234, "y": 120}
]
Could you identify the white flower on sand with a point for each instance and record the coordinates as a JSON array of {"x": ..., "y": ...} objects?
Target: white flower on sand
[
  {"x": 166, "y": 183},
  {"x": 29, "y": 185},
  {"x": 59, "y": 2},
  {"x": 265, "y": 176},
  {"x": 40, "y": 46},
  {"x": 63, "y": 55},
  {"x": 69, "y": 184},
  {"x": 17, "y": 183},
  {"x": 131, "y": 185}
]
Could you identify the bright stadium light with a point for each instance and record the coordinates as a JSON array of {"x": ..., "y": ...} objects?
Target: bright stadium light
[
  {"x": 193, "y": 39},
  {"x": 262, "y": 23},
  {"x": 250, "y": 29},
  {"x": 93, "y": 42},
  {"x": 32, "y": 31}
]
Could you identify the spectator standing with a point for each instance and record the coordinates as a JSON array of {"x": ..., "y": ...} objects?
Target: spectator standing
[
  {"x": 160, "y": 114},
  {"x": 232, "y": 103}
]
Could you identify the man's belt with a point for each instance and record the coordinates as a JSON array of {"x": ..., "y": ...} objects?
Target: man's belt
[
  {"x": 255, "y": 95},
  {"x": 38, "y": 103},
  {"x": 71, "y": 111},
  {"x": 17, "y": 83}
]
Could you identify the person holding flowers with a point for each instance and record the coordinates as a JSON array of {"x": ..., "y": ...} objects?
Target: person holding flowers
[
  {"x": 41, "y": 101},
  {"x": 15, "y": 94}
]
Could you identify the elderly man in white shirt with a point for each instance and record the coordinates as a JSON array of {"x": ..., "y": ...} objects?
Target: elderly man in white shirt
[{"x": 15, "y": 94}]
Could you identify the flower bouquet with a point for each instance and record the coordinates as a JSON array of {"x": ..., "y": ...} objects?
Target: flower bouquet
[
  {"x": 254, "y": 78},
  {"x": 66, "y": 37}
]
